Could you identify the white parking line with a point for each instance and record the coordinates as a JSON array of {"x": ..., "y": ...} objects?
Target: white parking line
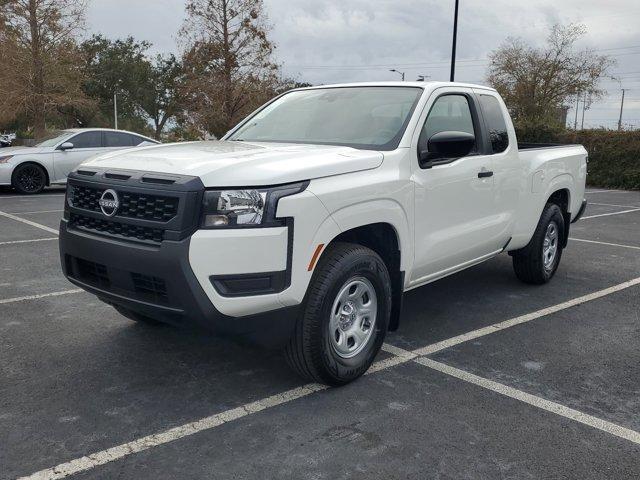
[
  {"x": 32, "y": 197},
  {"x": 604, "y": 243},
  {"x": 401, "y": 356},
  {"x": 614, "y": 205},
  {"x": 33, "y": 213},
  {"x": 612, "y": 213},
  {"x": 100, "y": 458},
  {"x": 605, "y": 191},
  {"x": 14, "y": 242},
  {"x": 496, "y": 327},
  {"x": 29, "y": 222},
  {"x": 538, "y": 402},
  {"x": 42, "y": 295}
]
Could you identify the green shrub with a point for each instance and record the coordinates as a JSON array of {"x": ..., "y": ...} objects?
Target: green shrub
[{"x": 614, "y": 157}]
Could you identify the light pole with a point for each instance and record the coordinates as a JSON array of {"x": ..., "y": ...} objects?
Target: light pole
[
  {"x": 621, "y": 101},
  {"x": 398, "y": 71},
  {"x": 455, "y": 40},
  {"x": 621, "y": 107},
  {"x": 115, "y": 111}
]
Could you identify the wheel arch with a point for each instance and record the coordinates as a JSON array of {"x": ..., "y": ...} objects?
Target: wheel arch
[
  {"x": 47, "y": 174},
  {"x": 383, "y": 238},
  {"x": 562, "y": 198}
]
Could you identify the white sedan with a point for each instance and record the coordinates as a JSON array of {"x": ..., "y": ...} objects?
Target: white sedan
[{"x": 30, "y": 169}]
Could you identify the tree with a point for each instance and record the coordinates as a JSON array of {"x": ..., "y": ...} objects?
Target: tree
[
  {"x": 159, "y": 98},
  {"x": 39, "y": 72},
  {"x": 115, "y": 67},
  {"x": 228, "y": 70},
  {"x": 146, "y": 89},
  {"x": 537, "y": 83}
]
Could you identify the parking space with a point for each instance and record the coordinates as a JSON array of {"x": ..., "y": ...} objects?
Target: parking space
[
  {"x": 584, "y": 358},
  {"x": 157, "y": 402}
]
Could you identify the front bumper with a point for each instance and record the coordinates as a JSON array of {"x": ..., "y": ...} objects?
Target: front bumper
[
  {"x": 6, "y": 170},
  {"x": 159, "y": 282}
]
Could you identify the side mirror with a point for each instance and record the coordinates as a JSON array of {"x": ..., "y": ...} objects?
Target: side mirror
[
  {"x": 446, "y": 145},
  {"x": 66, "y": 146}
]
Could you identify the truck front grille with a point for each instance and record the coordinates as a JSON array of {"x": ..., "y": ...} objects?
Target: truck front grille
[
  {"x": 150, "y": 208},
  {"x": 115, "y": 228},
  {"x": 132, "y": 205}
]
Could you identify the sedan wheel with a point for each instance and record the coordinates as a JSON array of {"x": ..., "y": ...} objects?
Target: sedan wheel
[{"x": 29, "y": 179}]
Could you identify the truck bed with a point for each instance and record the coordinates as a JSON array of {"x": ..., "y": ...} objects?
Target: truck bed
[{"x": 537, "y": 146}]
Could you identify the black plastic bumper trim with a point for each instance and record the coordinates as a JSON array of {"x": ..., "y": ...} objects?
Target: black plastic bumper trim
[
  {"x": 186, "y": 302},
  {"x": 583, "y": 207},
  {"x": 250, "y": 284}
]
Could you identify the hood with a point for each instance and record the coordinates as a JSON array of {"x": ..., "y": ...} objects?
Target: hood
[
  {"x": 23, "y": 150},
  {"x": 234, "y": 164}
]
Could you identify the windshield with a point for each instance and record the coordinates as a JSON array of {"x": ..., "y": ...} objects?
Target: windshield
[
  {"x": 360, "y": 117},
  {"x": 55, "y": 138}
]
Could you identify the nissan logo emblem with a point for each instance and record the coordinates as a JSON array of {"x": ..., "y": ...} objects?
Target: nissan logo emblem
[{"x": 109, "y": 203}]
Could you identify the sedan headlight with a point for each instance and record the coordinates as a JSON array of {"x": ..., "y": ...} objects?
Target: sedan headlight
[
  {"x": 247, "y": 207},
  {"x": 6, "y": 158}
]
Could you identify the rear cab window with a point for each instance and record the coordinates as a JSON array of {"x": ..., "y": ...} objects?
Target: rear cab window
[{"x": 495, "y": 122}]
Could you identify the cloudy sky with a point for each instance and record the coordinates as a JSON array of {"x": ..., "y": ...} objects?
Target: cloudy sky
[{"x": 327, "y": 41}]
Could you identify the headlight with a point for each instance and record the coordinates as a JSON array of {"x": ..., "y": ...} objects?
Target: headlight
[
  {"x": 6, "y": 158},
  {"x": 248, "y": 207}
]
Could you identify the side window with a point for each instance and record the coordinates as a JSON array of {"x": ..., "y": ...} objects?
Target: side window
[
  {"x": 118, "y": 139},
  {"x": 136, "y": 140},
  {"x": 448, "y": 113},
  {"x": 494, "y": 119},
  {"x": 87, "y": 140}
]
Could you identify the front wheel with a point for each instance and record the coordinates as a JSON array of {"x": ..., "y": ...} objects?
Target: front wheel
[
  {"x": 345, "y": 316},
  {"x": 538, "y": 261},
  {"x": 29, "y": 178}
]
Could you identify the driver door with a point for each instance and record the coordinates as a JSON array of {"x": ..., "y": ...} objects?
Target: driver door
[
  {"x": 85, "y": 145},
  {"x": 455, "y": 221}
]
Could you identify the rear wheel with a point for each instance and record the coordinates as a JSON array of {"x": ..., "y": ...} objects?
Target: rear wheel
[
  {"x": 345, "y": 316},
  {"x": 538, "y": 261},
  {"x": 29, "y": 178}
]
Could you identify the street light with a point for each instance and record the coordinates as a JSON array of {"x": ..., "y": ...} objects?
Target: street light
[
  {"x": 398, "y": 71},
  {"x": 453, "y": 47},
  {"x": 423, "y": 78}
]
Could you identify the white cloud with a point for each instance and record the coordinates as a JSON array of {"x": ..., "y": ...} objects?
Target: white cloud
[{"x": 326, "y": 41}]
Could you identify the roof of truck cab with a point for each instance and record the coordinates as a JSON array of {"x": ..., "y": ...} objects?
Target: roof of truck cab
[{"x": 425, "y": 85}]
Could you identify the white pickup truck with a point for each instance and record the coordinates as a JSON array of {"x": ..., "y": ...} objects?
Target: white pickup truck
[{"x": 305, "y": 225}]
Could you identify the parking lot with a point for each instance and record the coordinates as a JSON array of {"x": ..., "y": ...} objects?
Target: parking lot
[{"x": 486, "y": 377}]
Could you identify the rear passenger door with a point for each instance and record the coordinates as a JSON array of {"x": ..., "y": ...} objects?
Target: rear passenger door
[
  {"x": 85, "y": 146},
  {"x": 119, "y": 140},
  {"x": 455, "y": 218},
  {"x": 510, "y": 172}
]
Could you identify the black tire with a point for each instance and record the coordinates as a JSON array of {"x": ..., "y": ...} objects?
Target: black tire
[
  {"x": 29, "y": 178},
  {"x": 136, "y": 317},
  {"x": 528, "y": 262},
  {"x": 310, "y": 351}
]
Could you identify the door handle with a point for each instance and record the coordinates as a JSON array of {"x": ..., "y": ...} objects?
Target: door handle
[{"x": 485, "y": 174}]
